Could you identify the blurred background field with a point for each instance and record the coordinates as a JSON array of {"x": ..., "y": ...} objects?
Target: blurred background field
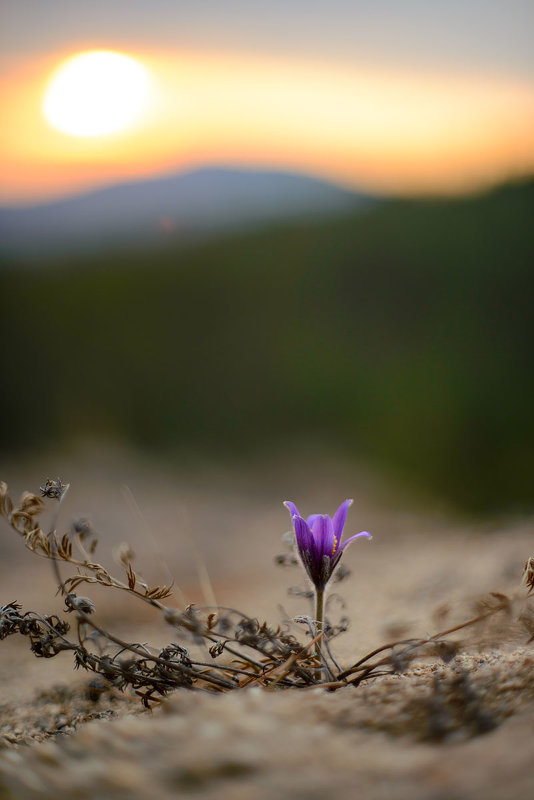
[
  {"x": 399, "y": 334},
  {"x": 230, "y": 232}
]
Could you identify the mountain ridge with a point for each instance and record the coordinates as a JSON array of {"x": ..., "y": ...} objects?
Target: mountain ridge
[{"x": 185, "y": 204}]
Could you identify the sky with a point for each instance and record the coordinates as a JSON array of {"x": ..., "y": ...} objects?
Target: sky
[{"x": 384, "y": 96}]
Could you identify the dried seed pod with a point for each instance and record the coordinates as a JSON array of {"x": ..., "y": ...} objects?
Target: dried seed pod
[{"x": 54, "y": 488}]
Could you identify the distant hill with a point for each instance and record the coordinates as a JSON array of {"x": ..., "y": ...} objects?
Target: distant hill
[{"x": 183, "y": 205}]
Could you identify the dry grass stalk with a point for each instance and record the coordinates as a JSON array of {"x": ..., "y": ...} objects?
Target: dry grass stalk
[{"x": 244, "y": 651}]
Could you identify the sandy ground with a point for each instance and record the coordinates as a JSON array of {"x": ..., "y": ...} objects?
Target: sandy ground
[{"x": 418, "y": 734}]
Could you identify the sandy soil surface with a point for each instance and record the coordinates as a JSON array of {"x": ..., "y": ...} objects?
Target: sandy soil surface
[{"x": 446, "y": 731}]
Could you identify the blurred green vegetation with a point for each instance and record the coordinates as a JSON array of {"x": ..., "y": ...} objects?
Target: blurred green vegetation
[{"x": 403, "y": 335}]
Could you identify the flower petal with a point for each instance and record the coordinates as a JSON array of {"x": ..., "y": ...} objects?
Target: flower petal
[
  {"x": 291, "y": 507},
  {"x": 303, "y": 535},
  {"x": 356, "y": 536},
  {"x": 339, "y": 519},
  {"x": 323, "y": 534},
  {"x": 311, "y": 519}
]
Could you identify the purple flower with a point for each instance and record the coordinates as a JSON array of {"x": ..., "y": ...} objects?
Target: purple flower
[{"x": 319, "y": 541}]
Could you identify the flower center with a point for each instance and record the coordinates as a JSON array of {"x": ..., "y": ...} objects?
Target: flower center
[{"x": 335, "y": 545}]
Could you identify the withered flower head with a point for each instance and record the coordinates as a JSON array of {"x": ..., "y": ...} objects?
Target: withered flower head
[
  {"x": 53, "y": 488},
  {"x": 75, "y": 603}
]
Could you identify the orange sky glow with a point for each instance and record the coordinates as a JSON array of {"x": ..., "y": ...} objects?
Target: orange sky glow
[{"x": 375, "y": 130}]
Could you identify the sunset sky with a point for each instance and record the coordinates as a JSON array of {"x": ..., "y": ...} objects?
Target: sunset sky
[{"x": 418, "y": 96}]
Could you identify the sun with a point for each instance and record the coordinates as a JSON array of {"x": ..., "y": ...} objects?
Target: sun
[{"x": 96, "y": 93}]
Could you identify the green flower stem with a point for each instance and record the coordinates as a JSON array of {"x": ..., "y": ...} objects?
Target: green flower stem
[{"x": 319, "y": 612}]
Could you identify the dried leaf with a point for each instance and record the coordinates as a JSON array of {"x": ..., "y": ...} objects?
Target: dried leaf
[{"x": 132, "y": 578}]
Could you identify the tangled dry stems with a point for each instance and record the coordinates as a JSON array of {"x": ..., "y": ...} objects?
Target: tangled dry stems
[{"x": 243, "y": 650}]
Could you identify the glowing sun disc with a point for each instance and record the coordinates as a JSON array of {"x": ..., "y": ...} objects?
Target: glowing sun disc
[{"x": 96, "y": 93}]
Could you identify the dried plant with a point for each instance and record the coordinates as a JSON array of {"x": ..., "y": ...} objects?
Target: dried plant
[
  {"x": 528, "y": 574},
  {"x": 243, "y": 650}
]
